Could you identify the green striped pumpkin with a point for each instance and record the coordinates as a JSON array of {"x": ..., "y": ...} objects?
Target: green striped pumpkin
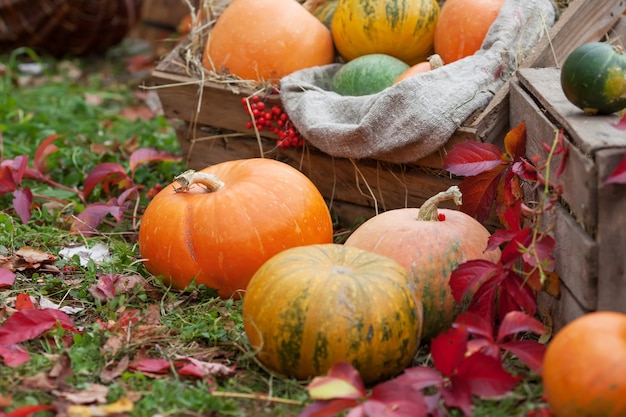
[
  {"x": 593, "y": 78},
  {"x": 402, "y": 29},
  {"x": 325, "y": 12},
  {"x": 310, "y": 307}
]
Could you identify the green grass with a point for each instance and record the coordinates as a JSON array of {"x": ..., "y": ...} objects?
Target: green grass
[{"x": 171, "y": 324}]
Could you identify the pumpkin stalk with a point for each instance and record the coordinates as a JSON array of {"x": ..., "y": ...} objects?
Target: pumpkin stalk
[
  {"x": 428, "y": 211},
  {"x": 190, "y": 177}
]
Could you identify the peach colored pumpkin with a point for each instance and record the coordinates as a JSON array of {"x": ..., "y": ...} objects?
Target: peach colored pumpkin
[{"x": 430, "y": 249}]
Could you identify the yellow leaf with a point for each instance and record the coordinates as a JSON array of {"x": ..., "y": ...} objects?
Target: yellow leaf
[
  {"x": 124, "y": 405},
  {"x": 326, "y": 388}
]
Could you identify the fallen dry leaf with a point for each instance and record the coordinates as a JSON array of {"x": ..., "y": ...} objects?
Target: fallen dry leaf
[
  {"x": 110, "y": 373},
  {"x": 94, "y": 393},
  {"x": 34, "y": 257}
]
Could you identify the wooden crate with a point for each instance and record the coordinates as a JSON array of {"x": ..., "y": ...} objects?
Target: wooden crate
[
  {"x": 590, "y": 222},
  {"x": 213, "y": 123}
]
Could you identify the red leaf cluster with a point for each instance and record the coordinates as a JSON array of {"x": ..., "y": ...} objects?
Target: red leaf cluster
[{"x": 468, "y": 363}]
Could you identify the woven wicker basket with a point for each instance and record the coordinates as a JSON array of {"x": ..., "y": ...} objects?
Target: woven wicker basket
[{"x": 66, "y": 27}]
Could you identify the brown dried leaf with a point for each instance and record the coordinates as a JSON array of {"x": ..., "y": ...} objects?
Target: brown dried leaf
[
  {"x": 94, "y": 393},
  {"x": 109, "y": 374}
]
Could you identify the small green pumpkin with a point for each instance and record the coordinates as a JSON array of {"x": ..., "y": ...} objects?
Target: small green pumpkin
[
  {"x": 310, "y": 307},
  {"x": 367, "y": 74},
  {"x": 593, "y": 78}
]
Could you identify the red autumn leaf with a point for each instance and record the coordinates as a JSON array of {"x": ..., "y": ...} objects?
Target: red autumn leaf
[
  {"x": 618, "y": 176},
  {"x": 146, "y": 155},
  {"x": 106, "y": 174},
  {"x": 486, "y": 376},
  {"x": 515, "y": 295},
  {"x": 513, "y": 249},
  {"x": 398, "y": 399},
  {"x": 469, "y": 276},
  {"x": 515, "y": 141},
  {"x": 341, "y": 381},
  {"x": 479, "y": 192},
  {"x": 155, "y": 366},
  {"x": 44, "y": 149},
  {"x": 27, "y": 410},
  {"x": 420, "y": 377},
  {"x": 471, "y": 158},
  {"x": 7, "y": 182},
  {"x": 20, "y": 164},
  {"x": 621, "y": 124},
  {"x": 448, "y": 349},
  {"x": 542, "y": 254},
  {"x": 22, "y": 199},
  {"x": 327, "y": 408},
  {"x": 106, "y": 285},
  {"x": 530, "y": 352},
  {"x": 517, "y": 322},
  {"x": 458, "y": 395},
  {"x": 90, "y": 218},
  {"x": 24, "y": 302},
  {"x": 29, "y": 324},
  {"x": 14, "y": 355},
  {"x": 7, "y": 278}
]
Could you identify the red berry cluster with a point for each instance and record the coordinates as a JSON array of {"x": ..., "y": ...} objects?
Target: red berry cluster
[{"x": 273, "y": 119}]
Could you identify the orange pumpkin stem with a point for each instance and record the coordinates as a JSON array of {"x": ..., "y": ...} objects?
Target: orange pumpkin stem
[
  {"x": 428, "y": 211},
  {"x": 190, "y": 177}
]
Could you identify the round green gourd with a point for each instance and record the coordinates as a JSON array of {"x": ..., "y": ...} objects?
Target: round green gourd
[
  {"x": 593, "y": 78},
  {"x": 367, "y": 74}
]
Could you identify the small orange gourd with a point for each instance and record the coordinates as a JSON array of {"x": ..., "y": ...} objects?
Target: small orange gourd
[
  {"x": 217, "y": 226},
  {"x": 430, "y": 243},
  {"x": 462, "y": 27},
  {"x": 434, "y": 61},
  {"x": 266, "y": 40}
]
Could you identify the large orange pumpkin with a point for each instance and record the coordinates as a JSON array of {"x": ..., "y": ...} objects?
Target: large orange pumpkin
[
  {"x": 584, "y": 368},
  {"x": 430, "y": 243},
  {"x": 266, "y": 40},
  {"x": 217, "y": 226},
  {"x": 310, "y": 307},
  {"x": 462, "y": 27}
]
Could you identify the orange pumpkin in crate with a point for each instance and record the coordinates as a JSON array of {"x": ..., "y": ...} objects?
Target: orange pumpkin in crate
[
  {"x": 266, "y": 40},
  {"x": 584, "y": 368},
  {"x": 462, "y": 27},
  {"x": 430, "y": 243},
  {"x": 217, "y": 226}
]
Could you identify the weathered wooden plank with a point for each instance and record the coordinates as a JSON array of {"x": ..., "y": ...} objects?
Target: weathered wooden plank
[
  {"x": 582, "y": 21},
  {"x": 576, "y": 257},
  {"x": 611, "y": 235},
  {"x": 589, "y": 133},
  {"x": 558, "y": 312},
  {"x": 579, "y": 176}
]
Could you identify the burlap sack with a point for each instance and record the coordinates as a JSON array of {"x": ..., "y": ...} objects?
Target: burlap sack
[{"x": 417, "y": 116}]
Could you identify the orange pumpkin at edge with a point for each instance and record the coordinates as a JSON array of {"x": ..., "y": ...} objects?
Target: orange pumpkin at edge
[
  {"x": 221, "y": 238},
  {"x": 266, "y": 40},
  {"x": 462, "y": 27},
  {"x": 430, "y": 249},
  {"x": 584, "y": 368}
]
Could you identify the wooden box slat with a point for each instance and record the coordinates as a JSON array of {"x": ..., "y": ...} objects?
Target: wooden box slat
[{"x": 589, "y": 223}]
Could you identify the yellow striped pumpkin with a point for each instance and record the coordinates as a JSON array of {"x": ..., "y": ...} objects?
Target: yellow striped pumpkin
[
  {"x": 310, "y": 307},
  {"x": 402, "y": 29}
]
